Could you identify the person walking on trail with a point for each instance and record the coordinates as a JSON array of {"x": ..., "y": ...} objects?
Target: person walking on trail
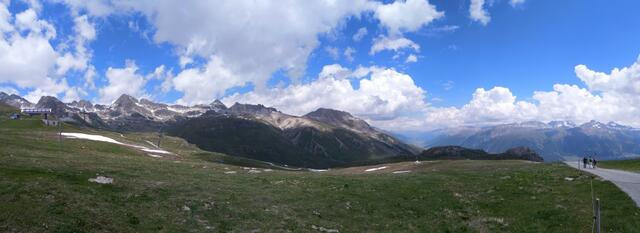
[
  {"x": 595, "y": 162},
  {"x": 590, "y": 162},
  {"x": 584, "y": 162}
]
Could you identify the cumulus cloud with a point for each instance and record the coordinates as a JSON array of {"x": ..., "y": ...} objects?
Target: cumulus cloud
[
  {"x": 406, "y": 16},
  {"x": 125, "y": 80},
  {"x": 613, "y": 96},
  {"x": 253, "y": 40},
  {"x": 26, "y": 54},
  {"x": 412, "y": 58},
  {"x": 348, "y": 53},
  {"x": 256, "y": 40},
  {"x": 361, "y": 33},
  {"x": 478, "y": 13},
  {"x": 202, "y": 85},
  {"x": 385, "y": 43},
  {"x": 382, "y": 93},
  {"x": 333, "y": 52}
]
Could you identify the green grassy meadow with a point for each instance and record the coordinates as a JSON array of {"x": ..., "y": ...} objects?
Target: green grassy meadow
[
  {"x": 632, "y": 165},
  {"x": 44, "y": 187}
]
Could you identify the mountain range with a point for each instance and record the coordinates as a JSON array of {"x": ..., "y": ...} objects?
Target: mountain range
[
  {"x": 555, "y": 140},
  {"x": 320, "y": 139}
]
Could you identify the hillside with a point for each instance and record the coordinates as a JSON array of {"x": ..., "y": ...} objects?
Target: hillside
[
  {"x": 456, "y": 152},
  {"x": 49, "y": 183}
]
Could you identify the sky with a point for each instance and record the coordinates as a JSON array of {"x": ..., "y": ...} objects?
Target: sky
[{"x": 413, "y": 65}]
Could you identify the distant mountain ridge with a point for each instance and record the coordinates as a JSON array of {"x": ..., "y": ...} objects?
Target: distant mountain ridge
[
  {"x": 320, "y": 139},
  {"x": 457, "y": 152},
  {"x": 555, "y": 140}
]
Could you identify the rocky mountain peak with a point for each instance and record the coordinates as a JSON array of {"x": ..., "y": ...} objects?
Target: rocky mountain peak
[
  {"x": 339, "y": 118},
  {"x": 125, "y": 101},
  {"x": 82, "y": 104},
  {"x": 593, "y": 124},
  {"x": 217, "y": 104},
  {"x": 151, "y": 104},
  {"x": 562, "y": 124},
  {"x": 251, "y": 109},
  {"x": 57, "y": 107},
  {"x": 14, "y": 100}
]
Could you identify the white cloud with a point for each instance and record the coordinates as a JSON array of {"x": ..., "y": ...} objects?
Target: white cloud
[
  {"x": 448, "y": 85},
  {"x": 79, "y": 58},
  {"x": 26, "y": 55},
  {"x": 412, "y": 58},
  {"x": 478, "y": 13},
  {"x": 27, "y": 21},
  {"x": 395, "y": 44},
  {"x": 8, "y": 90},
  {"x": 122, "y": 81},
  {"x": 613, "y": 96},
  {"x": 406, "y": 16},
  {"x": 333, "y": 52},
  {"x": 257, "y": 39},
  {"x": 361, "y": 33},
  {"x": 202, "y": 85},
  {"x": 253, "y": 39},
  {"x": 382, "y": 94},
  {"x": 515, "y": 3},
  {"x": 348, "y": 53},
  {"x": 93, "y": 7}
]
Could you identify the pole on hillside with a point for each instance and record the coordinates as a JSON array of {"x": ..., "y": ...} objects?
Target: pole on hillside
[
  {"x": 59, "y": 133},
  {"x": 159, "y": 137},
  {"x": 596, "y": 216}
]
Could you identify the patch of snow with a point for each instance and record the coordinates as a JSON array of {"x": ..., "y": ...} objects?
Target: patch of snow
[
  {"x": 568, "y": 179},
  {"x": 110, "y": 140},
  {"x": 254, "y": 171},
  {"x": 156, "y": 151},
  {"x": 400, "y": 172},
  {"x": 91, "y": 137},
  {"x": 155, "y": 156},
  {"x": 267, "y": 170},
  {"x": 230, "y": 172},
  {"x": 375, "y": 169},
  {"x": 318, "y": 170},
  {"x": 151, "y": 143},
  {"x": 101, "y": 180}
]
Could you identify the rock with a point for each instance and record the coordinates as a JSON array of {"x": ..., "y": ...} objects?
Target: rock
[
  {"x": 102, "y": 180},
  {"x": 322, "y": 229}
]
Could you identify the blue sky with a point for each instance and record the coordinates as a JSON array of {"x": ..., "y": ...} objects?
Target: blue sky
[{"x": 525, "y": 47}]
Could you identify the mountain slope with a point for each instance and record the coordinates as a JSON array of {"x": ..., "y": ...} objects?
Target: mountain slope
[
  {"x": 263, "y": 133},
  {"x": 456, "y": 152},
  {"x": 553, "y": 141},
  {"x": 320, "y": 139}
]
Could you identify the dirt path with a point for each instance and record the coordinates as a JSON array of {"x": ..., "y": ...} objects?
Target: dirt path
[{"x": 629, "y": 182}]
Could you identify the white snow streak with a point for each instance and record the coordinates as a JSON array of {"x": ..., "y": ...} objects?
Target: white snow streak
[
  {"x": 100, "y": 138},
  {"x": 375, "y": 169}
]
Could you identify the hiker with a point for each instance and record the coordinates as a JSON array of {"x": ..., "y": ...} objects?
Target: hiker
[
  {"x": 584, "y": 162},
  {"x": 595, "y": 162},
  {"x": 590, "y": 162}
]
